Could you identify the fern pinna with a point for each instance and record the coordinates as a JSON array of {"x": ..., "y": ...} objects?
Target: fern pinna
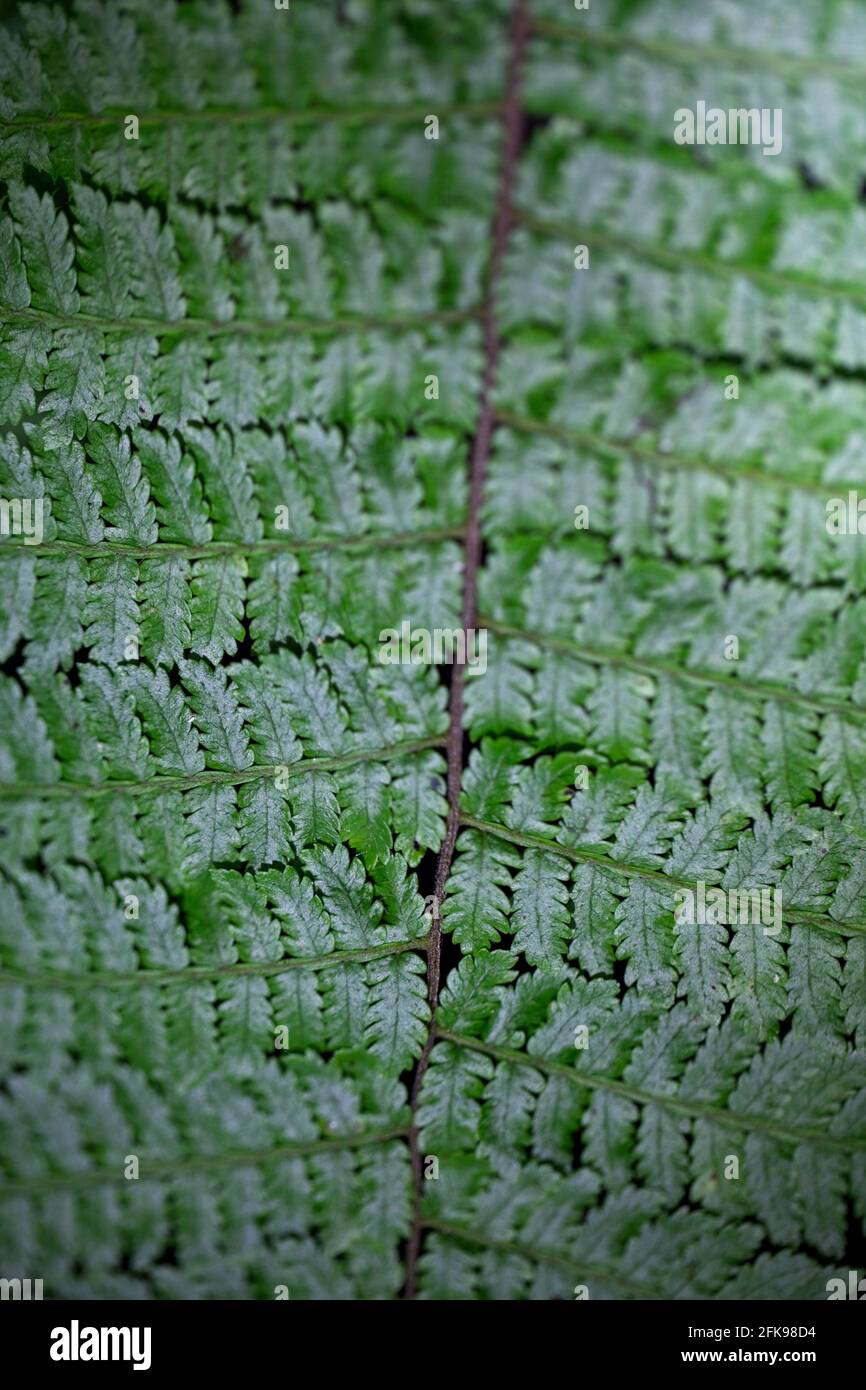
[{"x": 325, "y": 978}]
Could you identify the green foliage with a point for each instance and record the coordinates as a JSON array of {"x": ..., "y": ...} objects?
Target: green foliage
[{"x": 220, "y": 813}]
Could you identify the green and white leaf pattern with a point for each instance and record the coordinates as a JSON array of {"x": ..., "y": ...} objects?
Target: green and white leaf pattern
[{"x": 373, "y": 981}]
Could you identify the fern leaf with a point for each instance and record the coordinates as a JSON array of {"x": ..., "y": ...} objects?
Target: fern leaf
[{"x": 279, "y": 372}]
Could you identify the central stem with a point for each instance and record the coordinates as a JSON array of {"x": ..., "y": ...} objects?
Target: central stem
[{"x": 512, "y": 123}]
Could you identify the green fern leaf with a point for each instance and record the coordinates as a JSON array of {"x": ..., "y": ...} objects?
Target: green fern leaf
[{"x": 398, "y": 978}]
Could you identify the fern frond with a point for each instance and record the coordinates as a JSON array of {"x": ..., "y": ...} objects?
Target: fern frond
[{"x": 305, "y": 358}]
